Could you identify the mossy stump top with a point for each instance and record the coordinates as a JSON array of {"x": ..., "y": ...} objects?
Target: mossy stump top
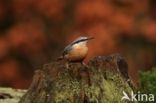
[{"x": 102, "y": 81}]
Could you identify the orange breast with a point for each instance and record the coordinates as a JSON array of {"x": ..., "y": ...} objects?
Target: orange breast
[{"x": 78, "y": 53}]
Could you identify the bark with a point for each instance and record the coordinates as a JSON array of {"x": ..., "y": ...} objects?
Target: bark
[{"x": 101, "y": 81}]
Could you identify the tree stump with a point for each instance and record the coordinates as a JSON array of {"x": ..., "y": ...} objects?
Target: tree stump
[{"x": 102, "y": 81}]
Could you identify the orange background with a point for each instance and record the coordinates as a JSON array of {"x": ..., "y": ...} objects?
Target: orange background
[{"x": 35, "y": 32}]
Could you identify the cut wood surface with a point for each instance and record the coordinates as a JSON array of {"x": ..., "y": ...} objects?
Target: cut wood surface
[{"x": 101, "y": 81}]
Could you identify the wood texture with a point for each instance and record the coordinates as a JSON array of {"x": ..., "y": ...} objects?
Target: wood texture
[{"x": 102, "y": 81}]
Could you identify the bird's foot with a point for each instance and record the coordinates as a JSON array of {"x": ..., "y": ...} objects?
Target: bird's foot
[
  {"x": 85, "y": 65},
  {"x": 67, "y": 65}
]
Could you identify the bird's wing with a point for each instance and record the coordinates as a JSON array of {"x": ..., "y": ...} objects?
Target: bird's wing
[{"x": 67, "y": 49}]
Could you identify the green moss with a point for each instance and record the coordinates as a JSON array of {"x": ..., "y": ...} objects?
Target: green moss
[
  {"x": 148, "y": 81},
  {"x": 106, "y": 87},
  {"x": 66, "y": 88}
]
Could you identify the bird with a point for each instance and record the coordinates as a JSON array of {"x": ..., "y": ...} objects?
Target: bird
[{"x": 77, "y": 50}]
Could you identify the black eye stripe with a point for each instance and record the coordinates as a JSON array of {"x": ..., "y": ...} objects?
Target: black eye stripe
[{"x": 79, "y": 41}]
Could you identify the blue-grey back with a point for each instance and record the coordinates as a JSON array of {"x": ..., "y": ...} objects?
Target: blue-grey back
[
  {"x": 70, "y": 46},
  {"x": 79, "y": 39}
]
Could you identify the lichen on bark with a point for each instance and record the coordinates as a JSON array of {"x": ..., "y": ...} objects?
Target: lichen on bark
[{"x": 101, "y": 82}]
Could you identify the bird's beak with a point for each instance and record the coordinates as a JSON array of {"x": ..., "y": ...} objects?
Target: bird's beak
[{"x": 89, "y": 38}]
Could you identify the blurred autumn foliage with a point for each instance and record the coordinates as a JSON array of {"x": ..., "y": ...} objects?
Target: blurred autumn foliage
[{"x": 34, "y": 32}]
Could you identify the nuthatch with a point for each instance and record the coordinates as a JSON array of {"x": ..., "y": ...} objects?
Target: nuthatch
[{"x": 77, "y": 50}]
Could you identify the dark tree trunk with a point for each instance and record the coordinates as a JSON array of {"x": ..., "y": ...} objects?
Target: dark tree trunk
[{"x": 102, "y": 81}]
